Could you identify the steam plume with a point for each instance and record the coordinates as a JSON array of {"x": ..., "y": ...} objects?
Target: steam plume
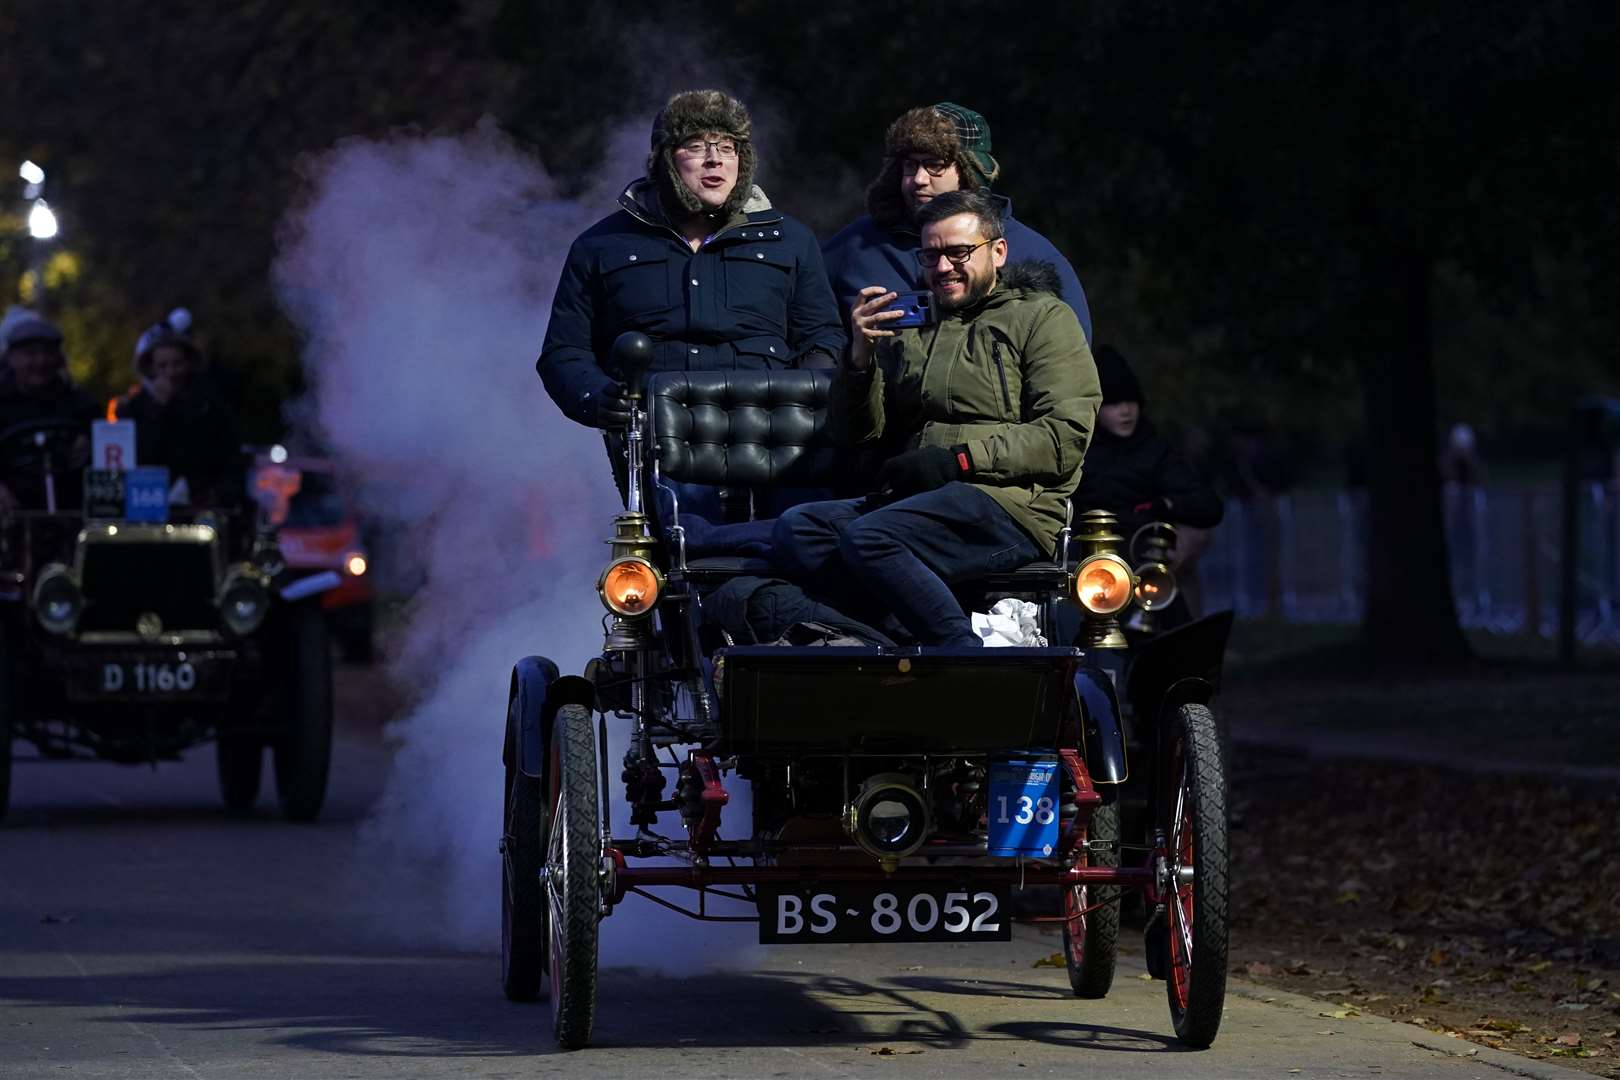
[{"x": 421, "y": 271}]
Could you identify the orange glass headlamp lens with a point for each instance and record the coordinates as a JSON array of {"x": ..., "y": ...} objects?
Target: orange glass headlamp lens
[
  {"x": 1155, "y": 586},
  {"x": 1102, "y": 584},
  {"x": 629, "y": 587}
]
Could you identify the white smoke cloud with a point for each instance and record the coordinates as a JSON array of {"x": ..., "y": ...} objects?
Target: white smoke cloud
[{"x": 421, "y": 270}]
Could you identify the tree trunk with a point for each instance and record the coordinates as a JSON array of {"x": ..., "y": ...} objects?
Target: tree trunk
[{"x": 1411, "y": 617}]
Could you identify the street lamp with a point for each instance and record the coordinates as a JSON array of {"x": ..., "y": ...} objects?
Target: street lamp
[{"x": 41, "y": 222}]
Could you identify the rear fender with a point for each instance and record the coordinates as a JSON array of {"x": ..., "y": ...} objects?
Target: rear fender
[
  {"x": 537, "y": 692},
  {"x": 1100, "y": 723}
]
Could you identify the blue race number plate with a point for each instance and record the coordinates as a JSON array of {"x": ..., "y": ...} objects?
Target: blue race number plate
[{"x": 1023, "y": 807}]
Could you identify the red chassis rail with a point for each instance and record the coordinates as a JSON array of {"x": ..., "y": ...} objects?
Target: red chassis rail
[{"x": 703, "y": 877}]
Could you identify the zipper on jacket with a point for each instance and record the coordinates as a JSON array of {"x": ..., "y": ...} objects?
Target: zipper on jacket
[{"x": 1001, "y": 373}]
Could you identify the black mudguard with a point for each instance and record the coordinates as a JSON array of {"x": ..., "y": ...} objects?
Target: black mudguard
[
  {"x": 1100, "y": 722},
  {"x": 536, "y": 694}
]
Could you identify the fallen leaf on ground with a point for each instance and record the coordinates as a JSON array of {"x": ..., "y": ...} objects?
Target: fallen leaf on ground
[
  {"x": 1259, "y": 969},
  {"x": 1540, "y": 965},
  {"x": 1339, "y": 1014},
  {"x": 1055, "y": 960},
  {"x": 1569, "y": 1038},
  {"x": 889, "y": 1051}
]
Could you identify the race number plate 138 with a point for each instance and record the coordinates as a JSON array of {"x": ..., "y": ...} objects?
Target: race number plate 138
[{"x": 849, "y": 911}]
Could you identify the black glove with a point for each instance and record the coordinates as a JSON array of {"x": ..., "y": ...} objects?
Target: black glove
[
  {"x": 924, "y": 469},
  {"x": 607, "y": 407}
]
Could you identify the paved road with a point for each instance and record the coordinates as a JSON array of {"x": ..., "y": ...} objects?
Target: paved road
[{"x": 144, "y": 934}]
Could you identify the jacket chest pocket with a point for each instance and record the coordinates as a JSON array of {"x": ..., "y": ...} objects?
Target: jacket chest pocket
[
  {"x": 1006, "y": 371},
  {"x": 635, "y": 282},
  {"x": 758, "y": 279}
]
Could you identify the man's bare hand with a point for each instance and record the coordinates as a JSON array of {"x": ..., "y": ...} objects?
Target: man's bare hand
[{"x": 866, "y": 321}]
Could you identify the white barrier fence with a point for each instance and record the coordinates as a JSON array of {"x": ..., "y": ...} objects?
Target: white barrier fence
[{"x": 1301, "y": 558}]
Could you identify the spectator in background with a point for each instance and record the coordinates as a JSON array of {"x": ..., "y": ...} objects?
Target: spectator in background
[
  {"x": 1257, "y": 476},
  {"x": 928, "y": 152},
  {"x": 1135, "y": 474},
  {"x": 1462, "y": 479}
]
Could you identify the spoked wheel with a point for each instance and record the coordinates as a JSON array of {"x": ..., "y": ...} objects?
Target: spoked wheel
[
  {"x": 525, "y": 934},
  {"x": 573, "y": 875},
  {"x": 1091, "y": 938},
  {"x": 1196, "y": 879}
]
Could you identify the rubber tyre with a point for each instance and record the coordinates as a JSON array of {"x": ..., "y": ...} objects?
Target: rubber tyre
[
  {"x": 241, "y": 767},
  {"x": 573, "y": 875},
  {"x": 1195, "y": 824},
  {"x": 303, "y": 753},
  {"x": 1091, "y": 940},
  {"x": 525, "y": 929}
]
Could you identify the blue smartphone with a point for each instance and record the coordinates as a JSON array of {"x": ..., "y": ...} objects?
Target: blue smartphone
[{"x": 916, "y": 309}]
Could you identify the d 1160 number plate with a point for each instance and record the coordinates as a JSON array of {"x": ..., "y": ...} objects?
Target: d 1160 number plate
[{"x": 883, "y": 911}]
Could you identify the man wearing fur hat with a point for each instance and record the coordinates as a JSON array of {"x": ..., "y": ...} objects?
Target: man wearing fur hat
[
  {"x": 927, "y": 153},
  {"x": 696, "y": 258},
  {"x": 181, "y": 420},
  {"x": 34, "y": 388},
  {"x": 991, "y": 408}
]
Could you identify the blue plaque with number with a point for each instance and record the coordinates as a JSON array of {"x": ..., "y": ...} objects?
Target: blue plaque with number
[
  {"x": 1023, "y": 809},
  {"x": 146, "y": 494}
]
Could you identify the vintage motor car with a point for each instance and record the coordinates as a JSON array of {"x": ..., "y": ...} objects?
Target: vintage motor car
[
  {"x": 898, "y": 793},
  {"x": 136, "y": 640},
  {"x": 321, "y": 533}
]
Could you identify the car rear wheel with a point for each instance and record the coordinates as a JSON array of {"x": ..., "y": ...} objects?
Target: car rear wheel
[
  {"x": 1194, "y": 820},
  {"x": 241, "y": 765},
  {"x": 525, "y": 933},
  {"x": 573, "y": 875},
  {"x": 1091, "y": 938},
  {"x": 303, "y": 752}
]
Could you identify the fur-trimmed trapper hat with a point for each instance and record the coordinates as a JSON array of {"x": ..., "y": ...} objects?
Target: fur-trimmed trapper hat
[
  {"x": 949, "y": 131},
  {"x": 690, "y": 113}
]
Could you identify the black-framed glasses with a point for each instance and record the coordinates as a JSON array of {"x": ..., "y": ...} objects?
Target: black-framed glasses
[
  {"x": 725, "y": 149},
  {"x": 928, "y": 258},
  {"x": 932, "y": 166}
]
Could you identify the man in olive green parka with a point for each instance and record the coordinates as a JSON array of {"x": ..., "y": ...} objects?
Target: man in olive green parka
[{"x": 992, "y": 406}]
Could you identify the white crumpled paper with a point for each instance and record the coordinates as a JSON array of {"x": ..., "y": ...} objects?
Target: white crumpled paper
[{"x": 1010, "y": 622}]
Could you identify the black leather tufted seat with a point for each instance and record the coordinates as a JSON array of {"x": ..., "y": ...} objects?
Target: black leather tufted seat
[{"x": 744, "y": 428}]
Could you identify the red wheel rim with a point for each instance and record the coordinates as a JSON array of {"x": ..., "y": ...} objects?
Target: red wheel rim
[
  {"x": 1074, "y": 906},
  {"x": 1181, "y": 895}
]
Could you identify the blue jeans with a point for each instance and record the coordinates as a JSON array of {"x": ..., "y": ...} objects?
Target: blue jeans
[{"x": 905, "y": 555}]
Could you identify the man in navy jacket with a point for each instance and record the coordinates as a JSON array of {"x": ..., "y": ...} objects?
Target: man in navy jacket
[
  {"x": 697, "y": 259},
  {"x": 928, "y": 152}
]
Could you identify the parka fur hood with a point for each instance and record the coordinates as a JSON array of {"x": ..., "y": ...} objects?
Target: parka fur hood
[
  {"x": 1032, "y": 275},
  {"x": 690, "y": 113}
]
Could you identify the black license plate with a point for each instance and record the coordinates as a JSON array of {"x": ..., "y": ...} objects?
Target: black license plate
[
  {"x": 170, "y": 677},
  {"x": 883, "y": 911}
]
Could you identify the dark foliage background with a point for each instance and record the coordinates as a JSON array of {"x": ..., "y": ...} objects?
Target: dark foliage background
[{"x": 1348, "y": 223}]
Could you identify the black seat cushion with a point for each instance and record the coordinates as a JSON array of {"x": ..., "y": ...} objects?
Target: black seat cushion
[{"x": 744, "y": 428}]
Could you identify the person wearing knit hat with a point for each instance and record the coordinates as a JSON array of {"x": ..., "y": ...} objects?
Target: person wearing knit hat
[
  {"x": 927, "y": 152},
  {"x": 1132, "y": 471},
  {"x": 696, "y": 258}
]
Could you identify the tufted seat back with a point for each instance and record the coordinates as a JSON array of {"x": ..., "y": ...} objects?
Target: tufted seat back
[{"x": 743, "y": 428}]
